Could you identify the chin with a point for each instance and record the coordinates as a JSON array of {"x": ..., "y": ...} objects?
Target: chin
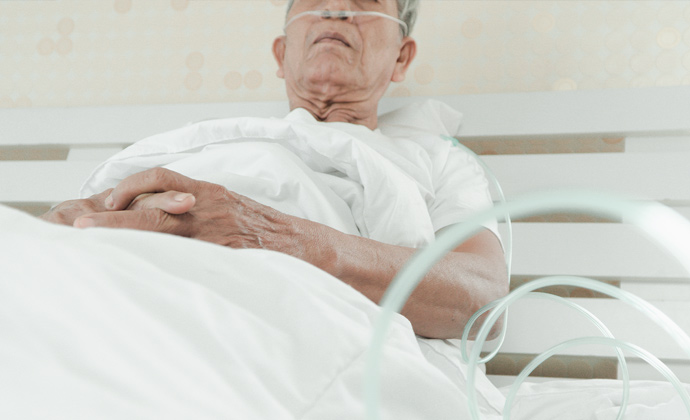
[{"x": 329, "y": 81}]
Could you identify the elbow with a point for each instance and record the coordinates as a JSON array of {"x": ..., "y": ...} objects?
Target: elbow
[
  {"x": 494, "y": 332},
  {"x": 502, "y": 290},
  {"x": 497, "y": 287},
  {"x": 486, "y": 284},
  {"x": 457, "y": 321}
]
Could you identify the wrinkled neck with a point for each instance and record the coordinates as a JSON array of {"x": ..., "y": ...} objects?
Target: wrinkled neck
[{"x": 348, "y": 112}]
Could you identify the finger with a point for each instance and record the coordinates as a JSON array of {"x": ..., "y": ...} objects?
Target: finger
[
  {"x": 100, "y": 197},
  {"x": 149, "y": 219},
  {"x": 156, "y": 180},
  {"x": 66, "y": 212},
  {"x": 173, "y": 202}
]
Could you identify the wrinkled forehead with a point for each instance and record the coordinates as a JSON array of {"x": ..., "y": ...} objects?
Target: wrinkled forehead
[{"x": 385, "y": 6}]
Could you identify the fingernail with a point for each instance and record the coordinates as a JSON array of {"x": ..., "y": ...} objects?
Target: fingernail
[
  {"x": 84, "y": 222},
  {"x": 109, "y": 202},
  {"x": 181, "y": 197}
]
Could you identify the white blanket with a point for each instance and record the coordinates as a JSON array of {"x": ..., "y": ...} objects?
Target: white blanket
[{"x": 119, "y": 324}]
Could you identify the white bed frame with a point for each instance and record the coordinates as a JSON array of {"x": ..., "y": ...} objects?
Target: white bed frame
[{"x": 634, "y": 142}]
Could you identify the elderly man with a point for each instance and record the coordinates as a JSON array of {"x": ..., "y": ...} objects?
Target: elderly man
[{"x": 336, "y": 67}]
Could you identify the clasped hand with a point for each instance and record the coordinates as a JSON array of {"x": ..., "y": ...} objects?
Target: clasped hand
[{"x": 161, "y": 200}]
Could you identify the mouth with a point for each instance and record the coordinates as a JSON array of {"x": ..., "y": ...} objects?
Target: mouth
[{"x": 331, "y": 37}]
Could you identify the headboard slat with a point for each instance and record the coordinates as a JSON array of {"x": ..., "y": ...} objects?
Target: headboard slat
[
  {"x": 611, "y": 112},
  {"x": 652, "y": 176},
  {"x": 115, "y": 125},
  {"x": 614, "y": 112},
  {"x": 612, "y": 250},
  {"x": 530, "y": 318},
  {"x": 42, "y": 181}
]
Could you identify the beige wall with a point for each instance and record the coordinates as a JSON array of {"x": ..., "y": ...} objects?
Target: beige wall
[{"x": 97, "y": 52}]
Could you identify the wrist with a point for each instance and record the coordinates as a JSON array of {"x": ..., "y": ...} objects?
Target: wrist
[{"x": 309, "y": 241}]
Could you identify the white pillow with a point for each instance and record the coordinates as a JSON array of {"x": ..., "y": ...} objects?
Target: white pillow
[{"x": 429, "y": 116}]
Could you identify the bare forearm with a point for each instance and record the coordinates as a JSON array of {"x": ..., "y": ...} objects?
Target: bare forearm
[
  {"x": 445, "y": 299},
  {"x": 441, "y": 305}
]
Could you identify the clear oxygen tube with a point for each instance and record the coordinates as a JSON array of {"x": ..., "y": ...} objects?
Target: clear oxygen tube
[
  {"x": 345, "y": 14},
  {"x": 661, "y": 224}
]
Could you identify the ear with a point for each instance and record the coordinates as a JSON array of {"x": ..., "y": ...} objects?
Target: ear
[
  {"x": 408, "y": 51},
  {"x": 279, "y": 55}
]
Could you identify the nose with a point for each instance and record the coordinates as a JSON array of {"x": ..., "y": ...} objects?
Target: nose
[
  {"x": 337, "y": 14},
  {"x": 332, "y": 7}
]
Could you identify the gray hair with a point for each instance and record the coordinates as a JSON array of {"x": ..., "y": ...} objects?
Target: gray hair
[{"x": 407, "y": 12}]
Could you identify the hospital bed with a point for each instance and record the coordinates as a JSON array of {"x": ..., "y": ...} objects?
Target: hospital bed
[{"x": 632, "y": 143}]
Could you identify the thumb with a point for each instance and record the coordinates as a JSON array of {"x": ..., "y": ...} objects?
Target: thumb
[{"x": 172, "y": 202}]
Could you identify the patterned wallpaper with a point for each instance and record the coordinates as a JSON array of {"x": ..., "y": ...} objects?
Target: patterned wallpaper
[{"x": 98, "y": 52}]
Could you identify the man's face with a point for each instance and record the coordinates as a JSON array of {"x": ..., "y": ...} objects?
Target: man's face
[{"x": 341, "y": 59}]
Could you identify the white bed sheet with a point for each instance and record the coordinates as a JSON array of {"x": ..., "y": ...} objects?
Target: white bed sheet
[{"x": 597, "y": 399}]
